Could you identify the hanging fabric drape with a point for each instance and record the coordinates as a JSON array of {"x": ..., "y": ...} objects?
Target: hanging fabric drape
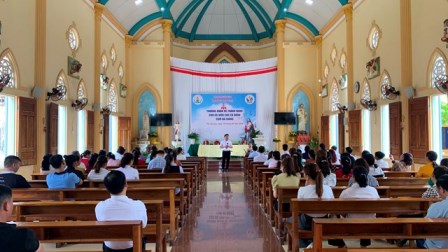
[{"x": 259, "y": 77}]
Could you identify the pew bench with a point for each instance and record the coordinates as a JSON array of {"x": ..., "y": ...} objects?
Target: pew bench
[{"x": 87, "y": 231}]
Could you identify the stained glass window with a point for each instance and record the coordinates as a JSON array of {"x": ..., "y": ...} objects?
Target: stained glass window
[
  {"x": 438, "y": 69},
  {"x": 112, "y": 100},
  {"x": 6, "y": 67},
  {"x": 366, "y": 90},
  {"x": 334, "y": 96}
]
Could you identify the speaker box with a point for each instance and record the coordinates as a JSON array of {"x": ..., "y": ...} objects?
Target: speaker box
[
  {"x": 351, "y": 106},
  {"x": 36, "y": 92},
  {"x": 410, "y": 92},
  {"x": 96, "y": 106}
]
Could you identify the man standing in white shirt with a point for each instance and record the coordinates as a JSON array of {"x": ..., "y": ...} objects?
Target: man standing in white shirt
[
  {"x": 226, "y": 147},
  {"x": 119, "y": 207}
]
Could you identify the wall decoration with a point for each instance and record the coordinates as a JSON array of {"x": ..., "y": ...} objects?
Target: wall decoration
[
  {"x": 343, "y": 60},
  {"x": 444, "y": 37},
  {"x": 357, "y": 87},
  {"x": 113, "y": 55},
  {"x": 73, "y": 39},
  {"x": 343, "y": 81},
  {"x": 326, "y": 71},
  {"x": 73, "y": 67},
  {"x": 301, "y": 107},
  {"x": 104, "y": 63},
  {"x": 333, "y": 54},
  {"x": 373, "y": 39},
  {"x": 104, "y": 82},
  {"x": 123, "y": 90},
  {"x": 120, "y": 72},
  {"x": 373, "y": 68},
  {"x": 324, "y": 92}
]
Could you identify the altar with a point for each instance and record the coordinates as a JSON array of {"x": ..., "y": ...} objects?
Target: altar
[{"x": 215, "y": 150}]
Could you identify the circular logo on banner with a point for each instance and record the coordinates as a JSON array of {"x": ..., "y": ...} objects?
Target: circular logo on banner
[
  {"x": 197, "y": 99},
  {"x": 250, "y": 99}
]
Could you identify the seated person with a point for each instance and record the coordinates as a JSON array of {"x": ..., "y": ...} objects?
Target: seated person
[
  {"x": 371, "y": 180},
  {"x": 180, "y": 154},
  {"x": 374, "y": 170},
  {"x": 285, "y": 150},
  {"x": 379, "y": 161},
  {"x": 253, "y": 153},
  {"x": 432, "y": 192},
  {"x": 60, "y": 178},
  {"x": 99, "y": 171},
  {"x": 8, "y": 177},
  {"x": 126, "y": 168},
  {"x": 404, "y": 164},
  {"x": 158, "y": 162},
  {"x": 329, "y": 177},
  {"x": 273, "y": 162},
  {"x": 13, "y": 239},
  {"x": 119, "y": 207},
  {"x": 45, "y": 165},
  {"x": 437, "y": 210},
  {"x": 426, "y": 170},
  {"x": 70, "y": 162},
  {"x": 137, "y": 158},
  {"x": 288, "y": 177},
  {"x": 346, "y": 170},
  {"x": 171, "y": 163},
  {"x": 261, "y": 157}
]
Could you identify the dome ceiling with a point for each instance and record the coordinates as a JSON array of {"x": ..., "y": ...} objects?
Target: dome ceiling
[{"x": 223, "y": 19}]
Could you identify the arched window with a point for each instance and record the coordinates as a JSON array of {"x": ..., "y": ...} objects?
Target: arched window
[
  {"x": 366, "y": 90},
  {"x": 439, "y": 66},
  {"x": 104, "y": 62},
  {"x": 385, "y": 80},
  {"x": 81, "y": 90},
  {"x": 62, "y": 81},
  {"x": 334, "y": 96},
  {"x": 8, "y": 66},
  {"x": 112, "y": 100}
]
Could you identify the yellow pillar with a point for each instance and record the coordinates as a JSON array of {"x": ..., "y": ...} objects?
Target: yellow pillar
[
  {"x": 127, "y": 75},
  {"x": 167, "y": 94},
  {"x": 40, "y": 77},
  {"x": 348, "y": 11},
  {"x": 319, "y": 105},
  {"x": 406, "y": 66},
  {"x": 281, "y": 100},
  {"x": 98, "y": 141}
]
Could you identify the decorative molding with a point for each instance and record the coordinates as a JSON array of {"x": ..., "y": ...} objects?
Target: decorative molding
[
  {"x": 333, "y": 23},
  {"x": 72, "y": 28},
  {"x": 374, "y": 27},
  {"x": 114, "y": 23},
  {"x": 224, "y": 47}
]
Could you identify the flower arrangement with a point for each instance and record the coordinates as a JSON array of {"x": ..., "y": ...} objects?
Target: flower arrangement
[
  {"x": 313, "y": 143},
  {"x": 292, "y": 134},
  {"x": 276, "y": 140},
  {"x": 193, "y": 135},
  {"x": 153, "y": 134}
]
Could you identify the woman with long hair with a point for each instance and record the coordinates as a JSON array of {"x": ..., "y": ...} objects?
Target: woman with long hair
[
  {"x": 172, "y": 166},
  {"x": 371, "y": 180},
  {"x": 99, "y": 170},
  {"x": 45, "y": 165},
  {"x": 274, "y": 162},
  {"x": 426, "y": 170},
  {"x": 126, "y": 168},
  {"x": 314, "y": 189},
  {"x": 404, "y": 164},
  {"x": 329, "y": 177},
  {"x": 137, "y": 160},
  {"x": 346, "y": 170},
  {"x": 288, "y": 177},
  {"x": 92, "y": 161}
]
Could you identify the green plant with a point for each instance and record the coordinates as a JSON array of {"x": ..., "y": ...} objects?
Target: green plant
[
  {"x": 254, "y": 133},
  {"x": 313, "y": 143},
  {"x": 153, "y": 134},
  {"x": 276, "y": 140},
  {"x": 193, "y": 135},
  {"x": 292, "y": 134}
]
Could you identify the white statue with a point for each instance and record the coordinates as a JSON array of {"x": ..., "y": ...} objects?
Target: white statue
[
  {"x": 145, "y": 126},
  {"x": 302, "y": 118},
  {"x": 176, "y": 131}
]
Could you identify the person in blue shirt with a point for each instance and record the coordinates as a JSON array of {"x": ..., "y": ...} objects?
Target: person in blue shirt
[
  {"x": 60, "y": 178},
  {"x": 438, "y": 210}
]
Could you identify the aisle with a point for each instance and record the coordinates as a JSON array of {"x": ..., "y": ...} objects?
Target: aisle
[{"x": 226, "y": 217}]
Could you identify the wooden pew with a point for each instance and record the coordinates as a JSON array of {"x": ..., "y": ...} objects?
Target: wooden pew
[
  {"x": 394, "y": 174},
  {"x": 85, "y": 211},
  {"x": 266, "y": 187},
  {"x": 246, "y": 165},
  {"x": 387, "y": 206},
  {"x": 87, "y": 231},
  {"x": 166, "y": 194},
  {"x": 397, "y": 228}
]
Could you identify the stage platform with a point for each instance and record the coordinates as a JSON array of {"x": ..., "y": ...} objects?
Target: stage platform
[{"x": 214, "y": 151}]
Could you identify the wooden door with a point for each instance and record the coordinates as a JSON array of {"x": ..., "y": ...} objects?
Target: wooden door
[
  {"x": 124, "y": 132},
  {"x": 325, "y": 130},
  {"x": 27, "y": 131},
  {"x": 418, "y": 128},
  {"x": 395, "y": 129},
  {"x": 355, "y": 131},
  {"x": 106, "y": 132},
  {"x": 52, "y": 128},
  {"x": 90, "y": 131},
  {"x": 341, "y": 132}
]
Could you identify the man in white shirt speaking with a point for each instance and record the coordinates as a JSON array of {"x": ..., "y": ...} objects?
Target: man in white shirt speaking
[
  {"x": 226, "y": 147},
  {"x": 119, "y": 207}
]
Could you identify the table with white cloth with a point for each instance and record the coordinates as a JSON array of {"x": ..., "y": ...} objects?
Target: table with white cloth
[{"x": 216, "y": 151}]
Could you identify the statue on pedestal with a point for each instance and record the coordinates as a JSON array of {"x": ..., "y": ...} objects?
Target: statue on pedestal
[
  {"x": 176, "y": 131},
  {"x": 145, "y": 126}
]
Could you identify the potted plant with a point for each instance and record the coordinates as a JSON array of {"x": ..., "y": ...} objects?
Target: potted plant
[
  {"x": 193, "y": 136},
  {"x": 153, "y": 136},
  {"x": 276, "y": 140},
  {"x": 313, "y": 143},
  {"x": 292, "y": 136}
]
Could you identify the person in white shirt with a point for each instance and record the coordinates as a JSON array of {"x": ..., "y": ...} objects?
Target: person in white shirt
[
  {"x": 99, "y": 170},
  {"x": 261, "y": 157},
  {"x": 373, "y": 169},
  {"x": 226, "y": 147},
  {"x": 380, "y": 162},
  {"x": 125, "y": 167},
  {"x": 180, "y": 154},
  {"x": 314, "y": 189},
  {"x": 254, "y": 152},
  {"x": 285, "y": 150},
  {"x": 359, "y": 190},
  {"x": 119, "y": 207},
  {"x": 329, "y": 177},
  {"x": 274, "y": 162},
  {"x": 120, "y": 153}
]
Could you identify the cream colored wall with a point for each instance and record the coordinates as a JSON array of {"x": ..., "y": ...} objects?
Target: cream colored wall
[
  {"x": 336, "y": 38},
  {"x": 109, "y": 38},
  {"x": 18, "y": 34},
  {"x": 427, "y": 28},
  {"x": 60, "y": 15}
]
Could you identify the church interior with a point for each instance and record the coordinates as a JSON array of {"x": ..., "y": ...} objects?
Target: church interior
[{"x": 372, "y": 75}]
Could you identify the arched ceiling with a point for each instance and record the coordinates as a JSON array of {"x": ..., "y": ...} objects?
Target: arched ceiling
[{"x": 223, "y": 19}]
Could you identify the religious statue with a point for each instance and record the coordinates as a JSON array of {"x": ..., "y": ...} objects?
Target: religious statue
[
  {"x": 145, "y": 126},
  {"x": 176, "y": 131},
  {"x": 302, "y": 118},
  {"x": 248, "y": 130}
]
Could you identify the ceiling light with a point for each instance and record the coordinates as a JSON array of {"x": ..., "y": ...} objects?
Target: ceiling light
[
  {"x": 162, "y": 9},
  {"x": 285, "y": 9},
  {"x": 309, "y": 2},
  {"x": 138, "y": 2}
]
